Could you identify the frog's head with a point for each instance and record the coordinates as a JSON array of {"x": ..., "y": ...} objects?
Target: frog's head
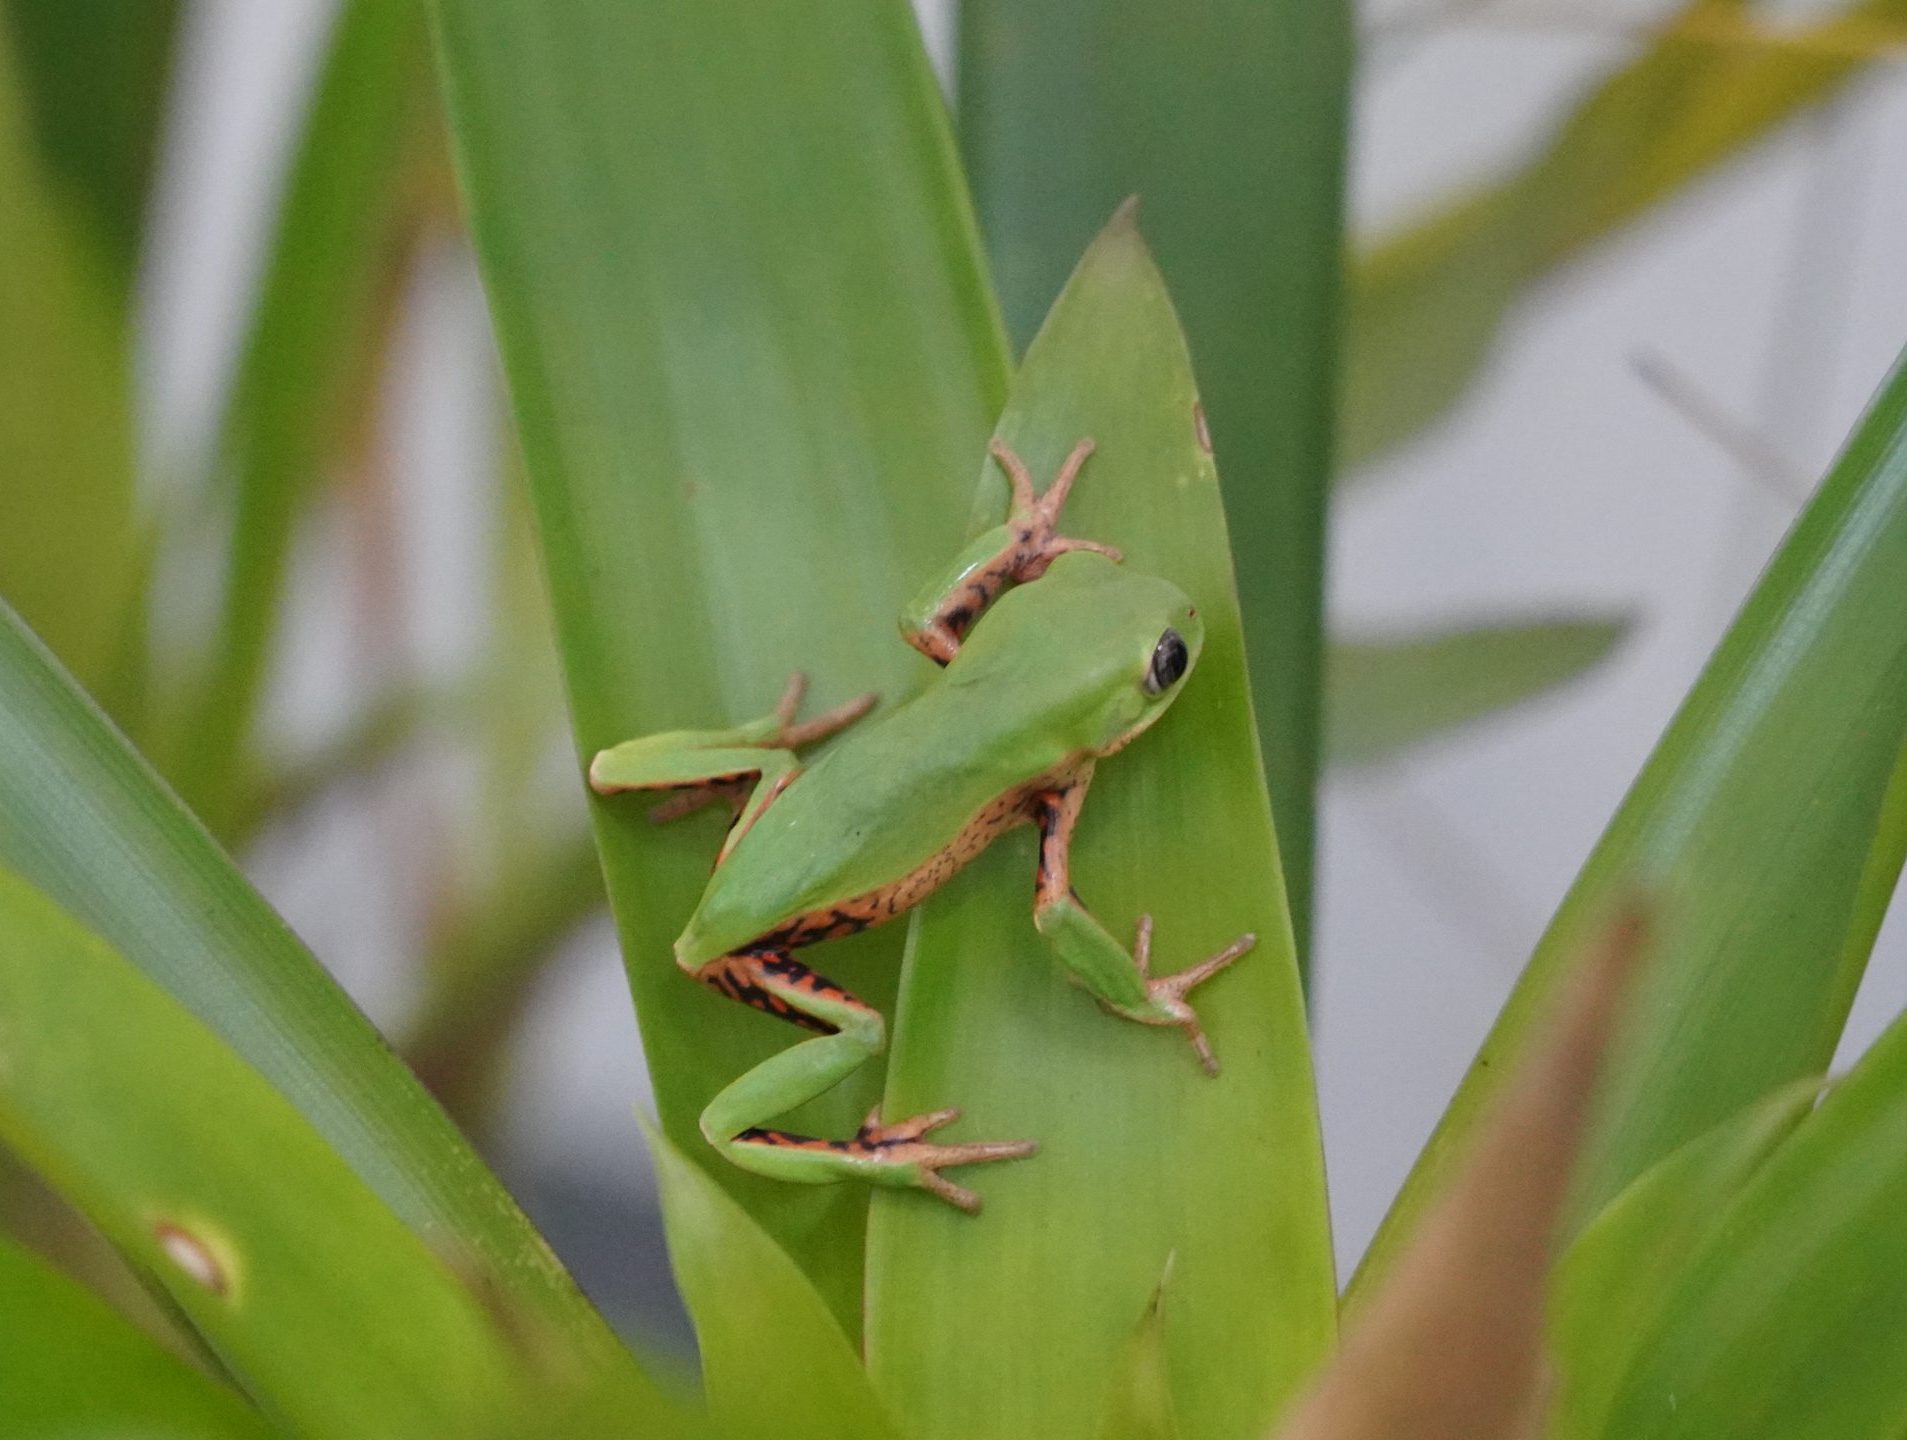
[{"x": 1154, "y": 627}]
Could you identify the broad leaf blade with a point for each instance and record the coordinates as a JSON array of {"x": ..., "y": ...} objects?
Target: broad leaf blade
[
  {"x": 1228, "y": 117},
  {"x": 1759, "y": 819},
  {"x": 1427, "y": 301},
  {"x": 331, "y": 1313},
  {"x": 1385, "y": 695},
  {"x": 1627, "y": 1265},
  {"x": 73, "y": 1366},
  {"x": 752, "y": 358},
  {"x": 740, "y": 1287},
  {"x": 1788, "y": 1322},
  {"x": 1141, "y": 1153},
  {"x": 86, "y": 820}
]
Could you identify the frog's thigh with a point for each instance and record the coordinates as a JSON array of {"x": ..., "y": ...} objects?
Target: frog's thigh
[{"x": 851, "y": 1031}]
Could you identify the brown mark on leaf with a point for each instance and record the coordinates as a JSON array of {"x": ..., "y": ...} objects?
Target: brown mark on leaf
[
  {"x": 1199, "y": 428},
  {"x": 1450, "y": 1348},
  {"x": 193, "y": 1255}
]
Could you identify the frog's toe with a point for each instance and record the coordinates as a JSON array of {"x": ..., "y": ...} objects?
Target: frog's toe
[{"x": 904, "y": 1158}]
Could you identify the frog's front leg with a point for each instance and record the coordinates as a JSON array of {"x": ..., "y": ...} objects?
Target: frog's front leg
[
  {"x": 1122, "y": 982},
  {"x": 747, "y": 765},
  {"x": 1009, "y": 554},
  {"x": 767, "y": 977}
]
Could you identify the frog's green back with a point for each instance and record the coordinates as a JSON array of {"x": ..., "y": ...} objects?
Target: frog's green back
[{"x": 1051, "y": 673}]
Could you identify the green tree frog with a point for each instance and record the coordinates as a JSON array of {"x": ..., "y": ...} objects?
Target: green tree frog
[{"x": 1055, "y": 657}]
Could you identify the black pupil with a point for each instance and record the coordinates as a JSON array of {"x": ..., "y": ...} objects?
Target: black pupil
[{"x": 1169, "y": 659}]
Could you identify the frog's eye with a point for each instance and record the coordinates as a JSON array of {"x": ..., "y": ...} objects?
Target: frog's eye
[{"x": 1169, "y": 659}]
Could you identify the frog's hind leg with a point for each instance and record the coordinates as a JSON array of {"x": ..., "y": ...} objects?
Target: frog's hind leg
[{"x": 850, "y": 1033}]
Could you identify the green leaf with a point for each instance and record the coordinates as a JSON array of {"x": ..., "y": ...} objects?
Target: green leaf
[
  {"x": 1140, "y": 1405},
  {"x": 740, "y": 1287},
  {"x": 1788, "y": 1322},
  {"x": 329, "y": 1312},
  {"x": 1141, "y": 1153},
  {"x": 1426, "y": 304},
  {"x": 309, "y": 348},
  {"x": 1770, "y": 822},
  {"x": 68, "y": 544},
  {"x": 1229, "y": 117},
  {"x": 1627, "y": 1265},
  {"x": 751, "y": 356},
  {"x": 97, "y": 73},
  {"x": 75, "y": 1367},
  {"x": 1384, "y": 696},
  {"x": 85, "y": 819}
]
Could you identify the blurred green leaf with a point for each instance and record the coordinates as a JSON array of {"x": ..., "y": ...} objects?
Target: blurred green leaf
[
  {"x": 1427, "y": 302},
  {"x": 1789, "y": 1320},
  {"x": 328, "y": 1311},
  {"x": 1626, "y": 1266},
  {"x": 1768, "y": 819},
  {"x": 1142, "y": 1154},
  {"x": 740, "y": 1286},
  {"x": 68, "y": 542},
  {"x": 1385, "y": 695},
  {"x": 1229, "y": 117},
  {"x": 96, "y": 75},
  {"x": 75, "y": 1367},
  {"x": 751, "y": 356},
  {"x": 306, "y": 356},
  {"x": 84, "y": 819}
]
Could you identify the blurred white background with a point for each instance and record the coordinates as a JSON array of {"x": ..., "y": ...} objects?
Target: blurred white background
[{"x": 1565, "y": 483}]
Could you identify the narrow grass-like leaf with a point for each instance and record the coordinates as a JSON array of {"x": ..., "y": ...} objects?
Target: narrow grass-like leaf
[
  {"x": 1759, "y": 819},
  {"x": 1228, "y": 116},
  {"x": 67, "y": 537},
  {"x": 1789, "y": 1320},
  {"x": 86, "y": 820},
  {"x": 1142, "y": 1154},
  {"x": 1385, "y": 695},
  {"x": 741, "y": 1288},
  {"x": 752, "y": 360},
  {"x": 96, "y": 73},
  {"x": 1427, "y": 302},
  {"x": 72, "y": 1365},
  {"x": 306, "y": 350},
  {"x": 1626, "y": 1266},
  {"x": 332, "y": 1315}
]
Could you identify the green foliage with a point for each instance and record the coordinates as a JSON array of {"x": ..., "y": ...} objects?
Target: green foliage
[
  {"x": 1384, "y": 696},
  {"x": 1228, "y": 117},
  {"x": 1427, "y": 302},
  {"x": 747, "y": 469},
  {"x": 157, "y": 1131},
  {"x": 84, "y": 819},
  {"x": 309, "y": 351},
  {"x": 1767, "y": 820},
  {"x": 1177, "y": 825},
  {"x": 753, "y": 358},
  {"x": 74, "y": 1367}
]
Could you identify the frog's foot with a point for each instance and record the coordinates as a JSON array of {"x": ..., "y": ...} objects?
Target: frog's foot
[
  {"x": 1035, "y": 518},
  {"x": 1166, "y": 994},
  {"x": 916, "y": 1162},
  {"x": 791, "y": 734}
]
